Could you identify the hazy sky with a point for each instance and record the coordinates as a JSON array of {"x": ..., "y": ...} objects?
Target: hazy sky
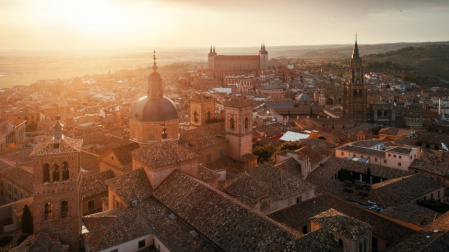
[{"x": 109, "y": 24}]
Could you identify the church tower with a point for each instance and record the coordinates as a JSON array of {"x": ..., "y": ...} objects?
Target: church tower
[
  {"x": 56, "y": 187},
  {"x": 239, "y": 127},
  {"x": 154, "y": 117},
  {"x": 263, "y": 54},
  {"x": 202, "y": 110},
  {"x": 354, "y": 89},
  {"x": 211, "y": 57}
]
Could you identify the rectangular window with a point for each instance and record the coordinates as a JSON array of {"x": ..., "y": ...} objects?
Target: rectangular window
[
  {"x": 375, "y": 159},
  {"x": 342, "y": 153},
  {"x": 15, "y": 190},
  {"x": 90, "y": 204},
  {"x": 400, "y": 157},
  {"x": 141, "y": 243},
  {"x": 9, "y": 187},
  {"x": 399, "y": 163},
  {"x": 389, "y": 154},
  {"x": 385, "y": 161},
  {"x": 394, "y": 156}
]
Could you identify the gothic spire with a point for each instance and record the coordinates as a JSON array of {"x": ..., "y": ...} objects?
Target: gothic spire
[
  {"x": 355, "y": 52},
  {"x": 154, "y": 60}
]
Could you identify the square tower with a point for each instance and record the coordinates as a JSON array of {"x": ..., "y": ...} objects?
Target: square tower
[
  {"x": 202, "y": 110},
  {"x": 239, "y": 127},
  {"x": 56, "y": 187}
]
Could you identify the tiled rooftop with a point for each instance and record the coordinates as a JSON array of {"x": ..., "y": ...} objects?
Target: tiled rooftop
[
  {"x": 227, "y": 222},
  {"x": 203, "y": 137},
  {"x": 362, "y": 150},
  {"x": 299, "y": 214},
  {"x": 131, "y": 186},
  {"x": 54, "y": 147},
  {"x": 342, "y": 224},
  {"x": 111, "y": 228},
  {"x": 95, "y": 184},
  {"x": 159, "y": 154}
]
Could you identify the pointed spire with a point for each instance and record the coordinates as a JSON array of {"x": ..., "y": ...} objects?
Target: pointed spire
[
  {"x": 154, "y": 81},
  {"x": 355, "y": 52},
  {"x": 210, "y": 49},
  {"x": 154, "y": 60},
  {"x": 57, "y": 129}
]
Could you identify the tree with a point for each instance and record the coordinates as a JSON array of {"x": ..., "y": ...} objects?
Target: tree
[
  {"x": 264, "y": 152},
  {"x": 27, "y": 220}
]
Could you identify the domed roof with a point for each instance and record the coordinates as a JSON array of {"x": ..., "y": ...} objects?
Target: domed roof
[
  {"x": 154, "y": 107},
  {"x": 303, "y": 97},
  {"x": 154, "y": 110}
]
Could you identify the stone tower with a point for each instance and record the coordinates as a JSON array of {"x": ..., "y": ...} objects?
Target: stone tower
[
  {"x": 354, "y": 90},
  {"x": 202, "y": 110},
  {"x": 154, "y": 117},
  {"x": 211, "y": 57},
  {"x": 238, "y": 127},
  {"x": 263, "y": 54},
  {"x": 57, "y": 197}
]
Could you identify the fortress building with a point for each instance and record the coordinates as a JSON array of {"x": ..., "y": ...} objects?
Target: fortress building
[{"x": 223, "y": 65}]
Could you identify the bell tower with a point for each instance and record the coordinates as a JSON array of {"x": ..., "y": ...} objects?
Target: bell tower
[
  {"x": 263, "y": 55},
  {"x": 354, "y": 89},
  {"x": 239, "y": 127},
  {"x": 56, "y": 187}
]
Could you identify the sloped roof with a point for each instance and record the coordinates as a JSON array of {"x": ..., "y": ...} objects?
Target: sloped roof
[
  {"x": 123, "y": 152},
  {"x": 159, "y": 154},
  {"x": 65, "y": 145},
  {"x": 95, "y": 184},
  {"x": 131, "y": 186},
  {"x": 114, "y": 227},
  {"x": 227, "y": 222},
  {"x": 340, "y": 223}
]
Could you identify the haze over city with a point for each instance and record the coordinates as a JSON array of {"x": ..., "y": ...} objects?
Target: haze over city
[{"x": 85, "y": 25}]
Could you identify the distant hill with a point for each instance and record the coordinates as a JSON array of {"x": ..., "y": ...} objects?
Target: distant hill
[{"x": 430, "y": 60}]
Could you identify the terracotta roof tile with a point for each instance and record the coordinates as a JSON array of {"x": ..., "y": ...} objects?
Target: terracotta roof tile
[
  {"x": 55, "y": 147},
  {"x": 95, "y": 184},
  {"x": 131, "y": 186},
  {"x": 159, "y": 154}
]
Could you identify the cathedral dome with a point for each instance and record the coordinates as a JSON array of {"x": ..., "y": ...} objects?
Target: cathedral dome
[{"x": 154, "y": 110}]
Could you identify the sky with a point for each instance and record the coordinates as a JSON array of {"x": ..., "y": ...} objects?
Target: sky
[{"x": 96, "y": 25}]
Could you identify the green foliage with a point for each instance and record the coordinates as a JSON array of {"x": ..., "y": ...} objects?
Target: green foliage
[
  {"x": 22, "y": 237},
  {"x": 264, "y": 152},
  {"x": 434, "y": 205},
  {"x": 285, "y": 146},
  {"x": 27, "y": 220},
  {"x": 4, "y": 240}
]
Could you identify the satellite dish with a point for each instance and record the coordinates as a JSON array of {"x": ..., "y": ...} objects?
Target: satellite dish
[{"x": 444, "y": 147}]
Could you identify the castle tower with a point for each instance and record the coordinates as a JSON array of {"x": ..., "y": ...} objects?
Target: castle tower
[
  {"x": 154, "y": 117},
  {"x": 56, "y": 187},
  {"x": 239, "y": 127},
  {"x": 202, "y": 110},
  {"x": 210, "y": 57},
  {"x": 263, "y": 54},
  {"x": 354, "y": 90}
]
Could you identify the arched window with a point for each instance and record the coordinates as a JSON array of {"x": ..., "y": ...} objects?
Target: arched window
[
  {"x": 379, "y": 113},
  {"x": 55, "y": 172},
  {"x": 46, "y": 171},
  {"x": 246, "y": 123},
  {"x": 64, "y": 209},
  {"x": 65, "y": 171},
  {"x": 232, "y": 123},
  {"x": 385, "y": 113},
  {"x": 48, "y": 212},
  {"x": 195, "y": 116}
]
